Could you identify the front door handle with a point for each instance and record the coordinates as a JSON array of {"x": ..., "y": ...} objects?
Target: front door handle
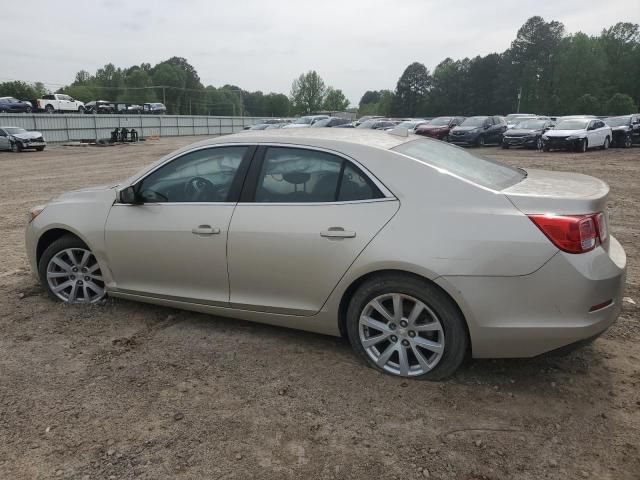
[
  {"x": 205, "y": 230},
  {"x": 337, "y": 232}
]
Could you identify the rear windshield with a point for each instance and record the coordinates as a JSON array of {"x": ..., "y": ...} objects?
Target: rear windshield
[{"x": 470, "y": 166}]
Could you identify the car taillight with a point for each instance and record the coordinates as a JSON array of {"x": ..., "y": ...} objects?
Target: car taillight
[{"x": 573, "y": 233}]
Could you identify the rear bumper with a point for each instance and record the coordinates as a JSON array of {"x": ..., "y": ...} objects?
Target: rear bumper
[{"x": 533, "y": 314}]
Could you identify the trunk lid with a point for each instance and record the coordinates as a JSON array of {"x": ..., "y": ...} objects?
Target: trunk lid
[{"x": 558, "y": 193}]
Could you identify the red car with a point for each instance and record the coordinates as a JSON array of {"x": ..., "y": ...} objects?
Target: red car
[{"x": 439, "y": 127}]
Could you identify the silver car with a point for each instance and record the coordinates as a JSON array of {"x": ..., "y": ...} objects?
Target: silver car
[
  {"x": 419, "y": 252},
  {"x": 17, "y": 139}
]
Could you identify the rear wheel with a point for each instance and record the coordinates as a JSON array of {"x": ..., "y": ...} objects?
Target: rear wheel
[
  {"x": 545, "y": 147},
  {"x": 81, "y": 110},
  {"x": 445, "y": 138},
  {"x": 406, "y": 327},
  {"x": 29, "y": 110},
  {"x": 48, "y": 109},
  {"x": 70, "y": 272},
  {"x": 539, "y": 144},
  {"x": 480, "y": 141}
]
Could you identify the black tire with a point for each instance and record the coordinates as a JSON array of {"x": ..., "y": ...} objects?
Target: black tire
[
  {"x": 62, "y": 243},
  {"x": 450, "y": 317},
  {"x": 606, "y": 144},
  {"x": 628, "y": 141},
  {"x": 545, "y": 147},
  {"x": 49, "y": 109},
  {"x": 39, "y": 149},
  {"x": 29, "y": 110},
  {"x": 16, "y": 147},
  {"x": 80, "y": 110},
  {"x": 505, "y": 146},
  {"x": 582, "y": 146},
  {"x": 445, "y": 138},
  {"x": 480, "y": 141},
  {"x": 539, "y": 144}
]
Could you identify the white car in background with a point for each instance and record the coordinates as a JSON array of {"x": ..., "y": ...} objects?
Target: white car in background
[
  {"x": 577, "y": 134},
  {"x": 306, "y": 122}
]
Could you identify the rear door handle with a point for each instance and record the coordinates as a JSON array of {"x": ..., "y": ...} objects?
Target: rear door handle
[
  {"x": 205, "y": 230},
  {"x": 337, "y": 232}
]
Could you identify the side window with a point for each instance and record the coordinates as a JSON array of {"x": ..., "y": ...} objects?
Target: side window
[
  {"x": 292, "y": 175},
  {"x": 201, "y": 176},
  {"x": 2, "y": 133},
  {"x": 356, "y": 186}
]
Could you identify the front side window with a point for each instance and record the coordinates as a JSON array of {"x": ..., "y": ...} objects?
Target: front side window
[
  {"x": 201, "y": 176},
  {"x": 293, "y": 175}
]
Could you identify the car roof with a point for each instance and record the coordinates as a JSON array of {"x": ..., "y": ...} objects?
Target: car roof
[{"x": 360, "y": 136}]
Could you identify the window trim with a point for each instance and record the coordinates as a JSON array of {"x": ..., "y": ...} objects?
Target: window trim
[
  {"x": 251, "y": 182},
  {"x": 236, "y": 185}
]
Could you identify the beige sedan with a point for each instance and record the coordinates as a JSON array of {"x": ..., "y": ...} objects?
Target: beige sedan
[{"x": 421, "y": 253}]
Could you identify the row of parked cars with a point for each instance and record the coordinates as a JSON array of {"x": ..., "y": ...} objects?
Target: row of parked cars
[
  {"x": 61, "y": 103},
  {"x": 578, "y": 132}
]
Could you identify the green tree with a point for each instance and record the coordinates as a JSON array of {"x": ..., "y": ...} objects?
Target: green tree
[
  {"x": 621, "y": 104},
  {"x": 277, "y": 105},
  {"x": 173, "y": 81},
  {"x": 587, "y": 104},
  {"x": 411, "y": 91},
  {"x": 22, "y": 90},
  {"x": 369, "y": 97},
  {"x": 335, "y": 100},
  {"x": 307, "y": 93}
]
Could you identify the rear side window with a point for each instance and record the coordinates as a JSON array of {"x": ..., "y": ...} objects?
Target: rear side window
[
  {"x": 295, "y": 175},
  {"x": 469, "y": 166}
]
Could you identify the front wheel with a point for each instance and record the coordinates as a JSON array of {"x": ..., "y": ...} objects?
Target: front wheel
[
  {"x": 505, "y": 146},
  {"x": 539, "y": 144},
  {"x": 407, "y": 327},
  {"x": 70, "y": 272},
  {"x": 480, "y": 141},
  {"x": 16, "y": 147},
  {"x": 80, "y": 110},
  {"x": 582, "y": 146},
  {"x": 606, "y": 144},
  {"x": 628, "y": 141},
  {"x": 28, "y": 110},
  {"x": 39, "y": 149},
  {"x": 445, "y": 138},
  {"x": 48, "y": 109}
]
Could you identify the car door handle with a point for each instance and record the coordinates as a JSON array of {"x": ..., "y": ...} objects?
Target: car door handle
[
  {"x": 337, "y": 232},
  {"x": 205, "y": 230}
]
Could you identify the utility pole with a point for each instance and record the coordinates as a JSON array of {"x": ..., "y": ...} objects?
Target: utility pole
[{"x": 519, "y": 97}]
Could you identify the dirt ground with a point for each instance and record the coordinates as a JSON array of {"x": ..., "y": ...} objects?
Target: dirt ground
[{"x": 129, "y": 390}]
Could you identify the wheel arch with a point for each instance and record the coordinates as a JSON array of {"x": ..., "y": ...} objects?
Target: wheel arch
[
  {"x": 355, "y": 284},
  {"x": 50, "y": 236}
]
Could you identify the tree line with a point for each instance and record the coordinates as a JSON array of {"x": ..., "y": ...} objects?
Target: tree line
[{"x": 545, "y": 70}]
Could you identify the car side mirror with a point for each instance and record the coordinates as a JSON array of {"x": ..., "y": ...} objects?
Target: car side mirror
[{"x": 128, "y": 195}]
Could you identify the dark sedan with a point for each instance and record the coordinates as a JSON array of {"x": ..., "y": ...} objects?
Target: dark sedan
[
  {"x": 527, "y": 133},
  {"x": 625, "y": 130},
  {"x": 439, "y": 128},
  {"x": 478, "y": 131},
  {"x": 378, "y": 124},
  {"x": 13, "y": 105}
]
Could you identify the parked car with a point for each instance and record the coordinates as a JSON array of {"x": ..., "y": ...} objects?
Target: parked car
[
  {"x": 100, "y": 107},
  {"x": 577, "y": 134},
  {"x": 625, "y": 130},
  {"x": 13, "y": 105},
  {"x": 59, "y": 102},
  {"x": 410, "y": 125},
  {"x": 306, "y": 229},
  {"x": 147, "y": 108},
  {"x": 513, "y": 118},
  {"x": 331, "y": 122},
  {"x": 479, "y": 131},
  {"x": 305, "y": 122},
  {"x": 527, "y": 133},
  {"x": 17, "y": 139},
  {"x": 365, "y": 118},
  {"x": 439, "y": 128},
  {"x": 378, "y": 124}
]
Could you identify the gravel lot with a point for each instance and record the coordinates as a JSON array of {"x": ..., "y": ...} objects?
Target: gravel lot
[{"x": 135, "y": 391}]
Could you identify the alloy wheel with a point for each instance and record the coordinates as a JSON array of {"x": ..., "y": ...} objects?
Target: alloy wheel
[
  {"x": 539, "y": 144},
  {"x": 628, "y": 141},
  {"x": 401, "y": 334},
  {"x": 74, "y": 276}
]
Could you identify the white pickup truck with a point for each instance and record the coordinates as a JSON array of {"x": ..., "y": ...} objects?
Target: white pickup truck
[{"x": 59, "y": 102}]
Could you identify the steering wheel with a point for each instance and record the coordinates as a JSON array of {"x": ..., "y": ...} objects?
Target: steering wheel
[{"x": 199, "y": 189}]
